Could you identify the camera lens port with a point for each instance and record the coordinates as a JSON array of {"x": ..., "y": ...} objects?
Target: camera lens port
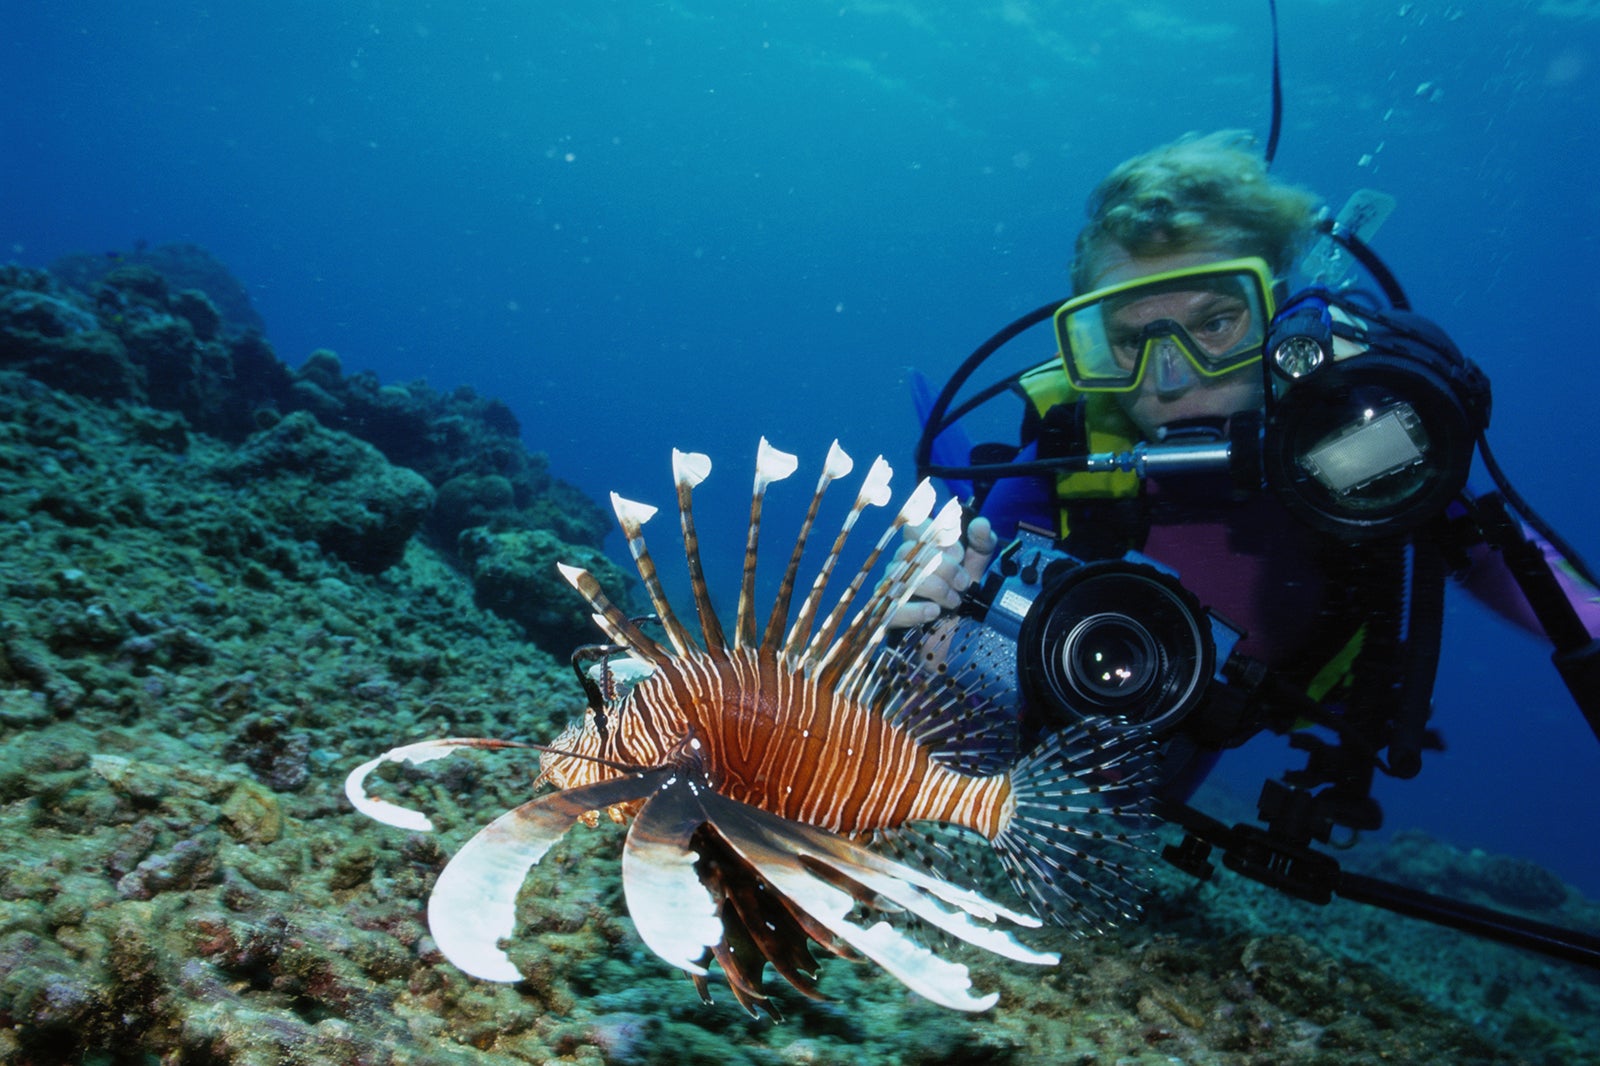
[{"x": 1118, "y": 641}]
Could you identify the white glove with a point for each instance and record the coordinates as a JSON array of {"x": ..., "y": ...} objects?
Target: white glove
[{"x": 941, "y": 590}]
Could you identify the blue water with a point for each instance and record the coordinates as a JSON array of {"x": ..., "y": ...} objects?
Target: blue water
[{"x": 648, "y": 225}]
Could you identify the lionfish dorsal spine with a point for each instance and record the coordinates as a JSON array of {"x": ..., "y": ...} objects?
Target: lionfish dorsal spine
[
  {"x": 846, "y": 661},
  {"x": 771, "y": 465},
  {"x": 688, "y": 470},
  {"x": 848, "y": 673},
  {"x": 631, "y": 516},
  {"x": 616, "y": 625},
  {"x": 874, "y": 493},
  {"x": 838, "y": 465},
  {"x": 915, "y": 509}
]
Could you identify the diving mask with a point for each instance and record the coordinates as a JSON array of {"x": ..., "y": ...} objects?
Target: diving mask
[{"x": 1205, "y": 320}]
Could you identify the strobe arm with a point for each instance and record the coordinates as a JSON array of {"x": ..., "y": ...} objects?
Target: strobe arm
[
  {"x": 1314, "y": 876},
  {"x": 1576, "y": 656}
]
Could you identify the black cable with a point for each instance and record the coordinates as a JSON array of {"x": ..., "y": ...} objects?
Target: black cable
[
  {"x": 937, "y": 420},
  {"x": 1568, "y": 945},
  {"x": 1277, "y": 89},
  {"x": 1529, "y": 515}
]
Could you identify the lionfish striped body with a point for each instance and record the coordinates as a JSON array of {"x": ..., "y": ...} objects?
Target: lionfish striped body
[
  {"x": 758, "y": 771},
  {"x": 771, "y": 738}
]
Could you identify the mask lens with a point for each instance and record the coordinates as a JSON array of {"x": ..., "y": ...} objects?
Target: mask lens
[
  {"x": 1174, "y": 368},
  {"x": 1213, "y": 317}
]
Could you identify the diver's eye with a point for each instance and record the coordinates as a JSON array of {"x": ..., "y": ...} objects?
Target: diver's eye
[
  {"x": 1125, "y": 350},
  {"x": 1219, "y": 332}
]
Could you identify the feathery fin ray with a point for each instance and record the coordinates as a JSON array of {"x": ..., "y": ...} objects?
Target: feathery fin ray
[
  {"x": 874, "y": 493},
  {"x": 771, "y": 465},
  {"x": 688, "y": 470},
  {"x": 474, "y": 901},
  {"x": 618, "y": 626},
  {"x": 631, "y": 516},
  {"x": 838, "y": 465}
]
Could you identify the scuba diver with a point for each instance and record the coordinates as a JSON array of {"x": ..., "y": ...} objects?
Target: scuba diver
[{"x": 1238, "y": 493}]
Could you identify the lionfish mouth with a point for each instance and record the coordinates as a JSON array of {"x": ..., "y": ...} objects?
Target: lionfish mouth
[{"x": 753, "y": 838}]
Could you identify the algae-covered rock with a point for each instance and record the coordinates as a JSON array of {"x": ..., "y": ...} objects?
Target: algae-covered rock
[
  {"x": 171, "y": 332},
  {"x": 252, "y": 814},
  {"x": 278, "y": 754},
  {"x": 1497, "y": 880},
  {"x": 182, "y": 268},
  {"x": 468, "y": 500},
  {"x": 53, "y": 338},
  {"x": 514, "y": 575},
  {"x": 331, "y": 488}
]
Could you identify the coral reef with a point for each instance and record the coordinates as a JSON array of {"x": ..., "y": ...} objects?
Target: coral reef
[
  {"x": 356, "y": 465},
  {"x": 329, "y": 487},
  {"x": 514, "y": 574},
  {"x": 190, "y": 662}
]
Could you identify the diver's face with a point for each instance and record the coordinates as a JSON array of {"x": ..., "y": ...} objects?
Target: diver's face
[{"x": 1172, "y": 391}]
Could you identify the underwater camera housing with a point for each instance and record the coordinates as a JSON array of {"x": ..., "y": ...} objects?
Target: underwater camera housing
[
  {"x": 1371, "y": 417},
  {"x": 1120, "y": 641}
]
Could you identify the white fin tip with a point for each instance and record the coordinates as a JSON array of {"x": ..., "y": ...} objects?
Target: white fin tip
[
  {"x": 382, "y": 810},
  {"x": 690, "y": 467},
  {"x": 838, "y": 464},
  {"x": 631, "y": 512},
  {"x": 773, "y": 464},
  {"x": 947, "y": 523},
  {"x": 919, "y": 505},
  {"x": 875, "y": 489}
]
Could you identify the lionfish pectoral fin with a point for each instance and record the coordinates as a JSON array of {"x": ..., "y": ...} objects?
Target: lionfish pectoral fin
[
  {"x": 894, "y": 884},
  {"x": 473, "y": 905},
  {"x": 426, "y": 751},
  {"x": 1079, "y": 838},
  {"x": 742, "y": 958},
  {"x": 785, "y": 854},
  {"x": 671, "y": 909},
  {"x": 965, "y": 715},
  {"x": 759, "y": 927},
  {"x": 692, "y": 901}
]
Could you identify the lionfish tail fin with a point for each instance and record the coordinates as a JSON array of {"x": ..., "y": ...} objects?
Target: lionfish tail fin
[
  {"x": 688, "y": 470},
  {"x": 1079, "y": 840}
]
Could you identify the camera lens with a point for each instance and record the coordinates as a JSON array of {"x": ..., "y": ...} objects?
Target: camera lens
[
  {"x": 1110, "y": 658},
  {"x": 1117, "y": 641}
]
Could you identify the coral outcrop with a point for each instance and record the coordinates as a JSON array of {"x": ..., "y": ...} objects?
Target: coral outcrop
[
  {"x": 330, "y": 488},
  {"x": 356, "y": 466}
]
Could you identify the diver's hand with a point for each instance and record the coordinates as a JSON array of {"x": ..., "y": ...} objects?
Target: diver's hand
[{"x": 941, "y": 590}]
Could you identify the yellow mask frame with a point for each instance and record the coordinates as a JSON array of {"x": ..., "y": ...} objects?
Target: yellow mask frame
[{"x": 1232, "y": 308}]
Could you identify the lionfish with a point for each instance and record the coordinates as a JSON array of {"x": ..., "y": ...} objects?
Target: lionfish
[{"x": 771, "y": 779}]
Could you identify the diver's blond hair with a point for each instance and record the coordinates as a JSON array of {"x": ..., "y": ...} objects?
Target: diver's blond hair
[{"x": 1201, "y": 192}]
